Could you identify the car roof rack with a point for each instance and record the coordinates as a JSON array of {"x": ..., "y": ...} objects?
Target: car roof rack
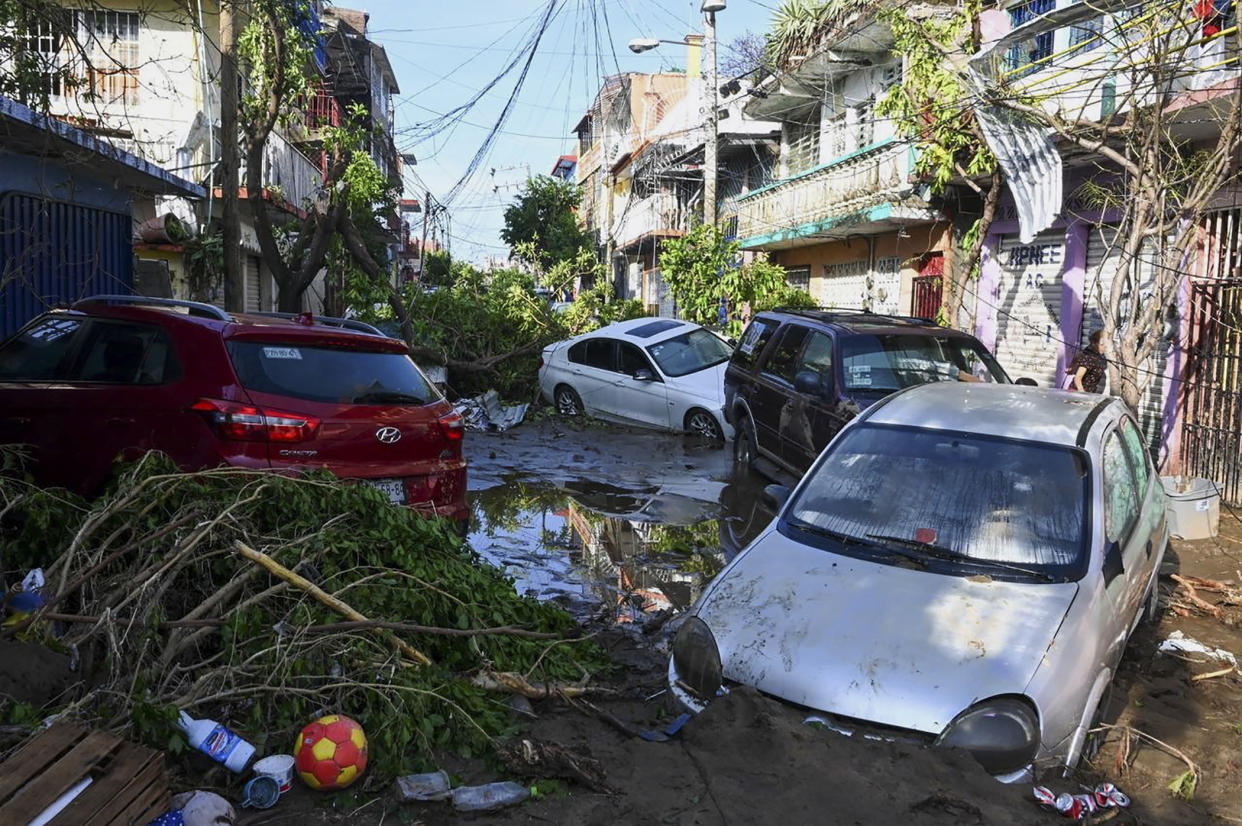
[
  {"x": 330, "y": 321},
  {"x": 848, "y": 313},
  {"x": 195, "y": 308}
]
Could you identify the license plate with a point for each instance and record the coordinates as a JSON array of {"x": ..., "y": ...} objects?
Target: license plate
[{"x": 394, "y": 489}]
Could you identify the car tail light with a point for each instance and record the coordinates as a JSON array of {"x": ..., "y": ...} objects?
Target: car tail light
[
  {"x": 246, "y": 423},
  {"x": 453, "y": 426}
]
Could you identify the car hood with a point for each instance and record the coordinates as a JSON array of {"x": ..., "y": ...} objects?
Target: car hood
[
  {"x": 706, "y": 384},
  {"x": 900, "y": 647}
]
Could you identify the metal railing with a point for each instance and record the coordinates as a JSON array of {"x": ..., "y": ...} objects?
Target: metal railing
[
  {"x": 659, "y": 213},
  {"x": 857, "y": 182}
]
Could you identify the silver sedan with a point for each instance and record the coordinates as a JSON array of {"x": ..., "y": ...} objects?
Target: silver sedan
[{"x": 961, "y": 566}]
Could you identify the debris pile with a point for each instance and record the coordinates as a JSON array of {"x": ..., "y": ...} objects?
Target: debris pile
[{"x": 264, "y": 600}]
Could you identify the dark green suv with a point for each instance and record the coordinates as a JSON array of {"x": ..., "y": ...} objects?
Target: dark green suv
[{"x": 797, "y": 376}]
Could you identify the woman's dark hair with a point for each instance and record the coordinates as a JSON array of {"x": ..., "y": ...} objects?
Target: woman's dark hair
[{"x": 1094, "y": 339}]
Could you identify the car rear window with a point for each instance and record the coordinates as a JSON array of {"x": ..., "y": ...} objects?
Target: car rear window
[
  {"x": 329, "y": 374},
  {"x": 891, "y": 362},
  {"x": 756, "y": 337},
  {"x": 984, "y": 498}
]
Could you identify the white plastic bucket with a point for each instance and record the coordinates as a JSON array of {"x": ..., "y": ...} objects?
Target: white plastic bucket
[
  {"x": 1193, "y": 507},
  {"x": 279, "y": 767}
]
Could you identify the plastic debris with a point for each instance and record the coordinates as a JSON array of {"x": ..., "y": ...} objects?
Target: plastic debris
[
  {"x": 217, "y": 742},
  {"x": 431, "y": 786},
  {"x": 489, "y": 797},
  {"x": 1080, "y": 806},
  {"x": 172, "y": 818},
  {"x": 487, "y": 413},
  {"x": 1182, "y": 644},
  {"x": 261, "y": 792},
  {"x": 204, "y": 809},
  {"x": 661, "y": 735},
  {"x": 279, "y": 767}
]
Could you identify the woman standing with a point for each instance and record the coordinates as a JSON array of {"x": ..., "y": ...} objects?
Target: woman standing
[{"x": 1086, "y": 371}]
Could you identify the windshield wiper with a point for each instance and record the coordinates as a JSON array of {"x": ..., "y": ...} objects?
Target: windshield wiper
[
  {"x": 389, "y": 397},
  {"x": 939, "y": 552}
]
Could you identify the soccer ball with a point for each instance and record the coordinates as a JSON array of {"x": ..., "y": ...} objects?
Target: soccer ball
[{"x": 331, "y": 752}]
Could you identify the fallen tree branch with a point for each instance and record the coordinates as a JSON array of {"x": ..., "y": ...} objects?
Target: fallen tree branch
[
  {"x": 517, "y": 684},
  {"x": 1197, "y": 677},
  {"x": 327, "y": 599},
  {"x": 502, "y": 631},
  {"x": 1194, "y": 597}
]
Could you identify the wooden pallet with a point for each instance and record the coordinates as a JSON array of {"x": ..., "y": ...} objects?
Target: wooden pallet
[{"x": 128, "y": 788}]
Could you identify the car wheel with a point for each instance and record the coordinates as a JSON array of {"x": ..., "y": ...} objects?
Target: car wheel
[
  {"x": 702, "y": 423},
  {"x": 568, "y": 402},
  {"x": 1094, "y": 739},
  {"x": 744, "y": 452},
  {"x": 1151, "y": 608}
]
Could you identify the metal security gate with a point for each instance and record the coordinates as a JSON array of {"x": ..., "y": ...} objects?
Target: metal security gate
[
  {"x": 1028, "y": 312},
  {"x": 254, "y": 285},
  {"x": 1103, "y": 257},
  {"x": 1212, "y": 425},
  {"x": 53, "y": 252}
]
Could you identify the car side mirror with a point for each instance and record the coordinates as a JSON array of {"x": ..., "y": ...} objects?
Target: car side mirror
[
  {"x": 809, "y": 382},
  {"x": 1026, "y": 382},
  {"x": 1113, "y": 566},
  {"x": 775, "y": 496},
  {"x": 643, "y": 374}
]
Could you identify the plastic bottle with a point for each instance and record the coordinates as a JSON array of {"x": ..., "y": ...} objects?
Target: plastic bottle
[
  {"x": 217, "y": 742},
  {"x": 490, "y": 796}
]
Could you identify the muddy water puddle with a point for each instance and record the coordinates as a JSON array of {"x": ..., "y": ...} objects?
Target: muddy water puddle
[{"x": 626, "y": 541}]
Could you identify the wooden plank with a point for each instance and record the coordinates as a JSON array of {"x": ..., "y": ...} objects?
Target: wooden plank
[
  {"x": 152, "y": 803},
  {"x": 33, "y": 757},
  {"x": 111, "y": 785},
  {"x": 150, "y": 777},
  {"x": 37, "y": 795}
]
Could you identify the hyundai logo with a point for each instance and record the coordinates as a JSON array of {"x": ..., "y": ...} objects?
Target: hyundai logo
[{"x": 388, "y": 435}]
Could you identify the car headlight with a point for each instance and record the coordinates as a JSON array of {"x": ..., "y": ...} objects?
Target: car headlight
[
  {"x": 1002, "y": 734},
  {"x": 697, "y": 659}
]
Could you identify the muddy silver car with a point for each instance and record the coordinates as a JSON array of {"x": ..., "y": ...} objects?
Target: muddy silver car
[{"x": 962, "y": 566}]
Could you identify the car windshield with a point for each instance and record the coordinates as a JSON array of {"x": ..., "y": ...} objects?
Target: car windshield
[
  {"x": 891, "y": 362},
  {"x": 980, "y": 498},
  {"x": 689, "y": 353},
  {"x": 326, "y": 374}
]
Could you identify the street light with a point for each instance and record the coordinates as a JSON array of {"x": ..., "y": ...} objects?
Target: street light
[{"x": 645, "y": 44}]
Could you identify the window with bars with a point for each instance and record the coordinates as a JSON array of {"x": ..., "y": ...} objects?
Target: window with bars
[
  {"x": 803, "y": 141},
  {"x": 1026, "y": 55},
  {"x": 1088, "y": 34},
  {"x": 798, "y": 277},
  {"x": 110, "y": 41}
]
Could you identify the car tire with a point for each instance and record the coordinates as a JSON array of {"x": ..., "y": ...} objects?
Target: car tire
[
  {"x": 703, "y": 424},
  {"x": 744, "y": 450},
  {"x": 568, "y": 402},
  {"x": 1093, "y": 740},
  {"x": 1151, "y": 608}
]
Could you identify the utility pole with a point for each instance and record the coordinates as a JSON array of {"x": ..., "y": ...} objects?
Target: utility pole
[
  {"x": 422, "y": 249},
  {"x": 230, "y": 181},
  {"x": 712, "y": 137}
]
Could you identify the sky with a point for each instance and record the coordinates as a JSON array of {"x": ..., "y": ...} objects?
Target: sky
[{"x": 446, "y": 52}]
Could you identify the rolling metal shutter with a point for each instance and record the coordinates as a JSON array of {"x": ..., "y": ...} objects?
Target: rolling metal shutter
[
  {"x": 254, "y": 288},
  {"x": 53, "y": 252},
  {"x": 1103, "y": 257},
  {"x": 1028, "y": 317}
]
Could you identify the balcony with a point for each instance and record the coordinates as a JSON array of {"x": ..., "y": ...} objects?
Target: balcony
[
  {"x": 287, "y": 173},
  {"x": 657, "y": 215},
  {"x": 867, "y": 190}
]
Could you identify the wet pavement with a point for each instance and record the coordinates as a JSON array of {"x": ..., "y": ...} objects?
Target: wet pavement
[{"x": 609, "y": 520}]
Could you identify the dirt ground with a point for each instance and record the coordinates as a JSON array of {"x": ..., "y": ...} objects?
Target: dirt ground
[{"x": 750, "y": 759}]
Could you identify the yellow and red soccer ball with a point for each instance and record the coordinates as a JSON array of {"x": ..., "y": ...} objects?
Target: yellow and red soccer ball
[{"x": 331, "y": 753}]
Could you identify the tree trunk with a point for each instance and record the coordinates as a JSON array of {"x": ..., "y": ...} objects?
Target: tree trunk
[
  {"x": 288, "y": 298},
  {"x": 230, "y": 178}
]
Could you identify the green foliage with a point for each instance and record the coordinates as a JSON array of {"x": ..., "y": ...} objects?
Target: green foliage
[
  {"x": 541, "y": 225},
  {"x": 262, "y": 674},
  {"x": 799, "y": 25},
  {"x": 277, "y": 55},
  {"x": 930, "y": 106},
  {"x": 439, "y": 269},
  {"x": 703, "y": 266}
]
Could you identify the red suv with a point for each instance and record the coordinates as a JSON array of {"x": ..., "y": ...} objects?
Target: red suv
[{"x": 121, "y": 375}]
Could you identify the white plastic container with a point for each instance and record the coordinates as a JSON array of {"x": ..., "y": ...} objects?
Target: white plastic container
[
  {"x": 279, "y": 767},
  {"x": 217, "y": 742},
  {"x": 1193, "y": 507}
]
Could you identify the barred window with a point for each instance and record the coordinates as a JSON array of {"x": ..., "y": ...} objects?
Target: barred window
[{"x": 110, "y": 42}]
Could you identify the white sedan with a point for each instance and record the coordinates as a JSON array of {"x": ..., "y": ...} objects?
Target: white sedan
[{"x": 651, "y": 372}]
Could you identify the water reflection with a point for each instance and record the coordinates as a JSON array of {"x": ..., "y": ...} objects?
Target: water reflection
[{"x": 630, "y": 552}]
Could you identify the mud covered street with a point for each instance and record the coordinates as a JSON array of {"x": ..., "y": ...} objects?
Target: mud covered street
[{"x": 625, "y": 527}]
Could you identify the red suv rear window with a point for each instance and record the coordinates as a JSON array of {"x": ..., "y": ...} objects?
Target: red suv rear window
[{"x": 325, "y": 374}]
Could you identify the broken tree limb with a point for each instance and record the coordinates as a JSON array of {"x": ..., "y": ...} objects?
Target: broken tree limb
[
  {"x": 1197, "y": 677},
  {"x": 517, "y": 684},
  {"x": 327, "y": 599},
  {"x": 503, "y": 631},
  {"x": 1194, "y": 597}
]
